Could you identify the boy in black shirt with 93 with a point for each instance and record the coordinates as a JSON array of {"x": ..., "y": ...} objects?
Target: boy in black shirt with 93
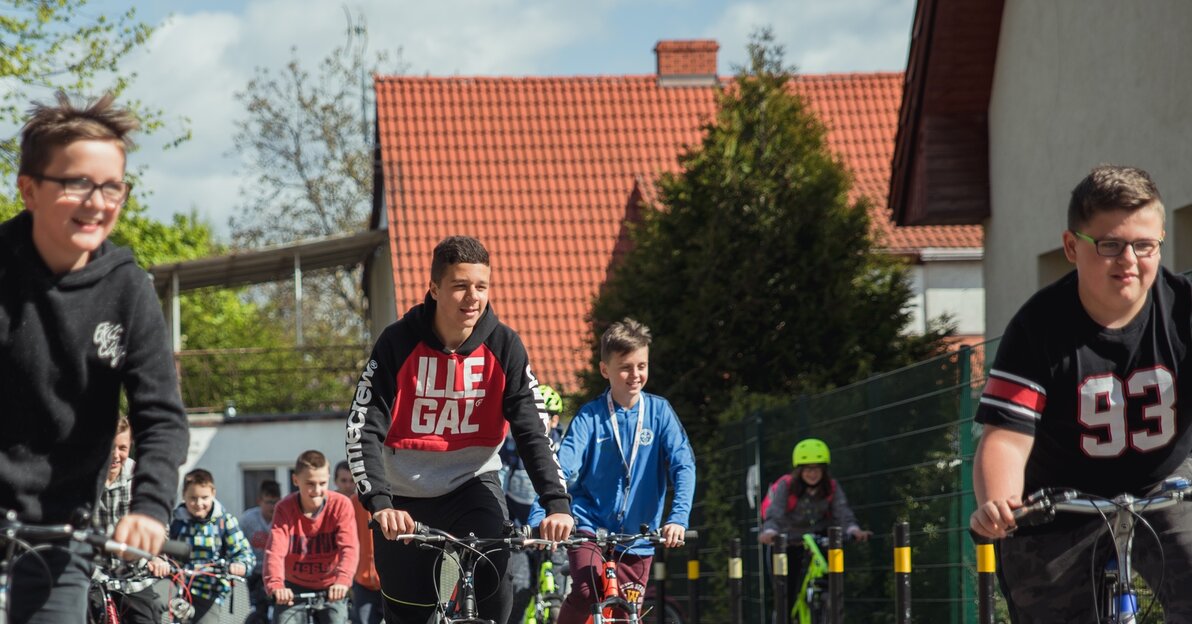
[
  {"x": 79, "y": 322},
  {"x": 1082, "y": 395}
]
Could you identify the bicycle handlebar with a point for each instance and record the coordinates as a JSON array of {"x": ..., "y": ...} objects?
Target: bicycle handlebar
[
  {"x": 613, "y": 539},
  {"x": 1042, "y": 505},
  {"x": 12, "y": 528}
]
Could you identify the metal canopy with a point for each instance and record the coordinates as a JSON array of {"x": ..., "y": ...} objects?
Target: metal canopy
[{"x": 268, "y": 264}]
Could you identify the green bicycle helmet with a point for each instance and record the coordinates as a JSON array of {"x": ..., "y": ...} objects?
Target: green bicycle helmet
[
  {"x": 552, "y": 399},
  {"x": 811, "y": 451}
]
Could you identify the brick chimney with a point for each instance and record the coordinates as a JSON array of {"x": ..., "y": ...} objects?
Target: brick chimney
[{"x": 689, "y": 63}]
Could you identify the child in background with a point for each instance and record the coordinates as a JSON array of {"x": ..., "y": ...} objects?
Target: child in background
[
  {"x": 619, "y": 453},
  {"x": 313, "y": 544},
  {"x": 255, "y": 523},
  {"x": 366, "y": 605},
  {"x": 213, "y": 534}
]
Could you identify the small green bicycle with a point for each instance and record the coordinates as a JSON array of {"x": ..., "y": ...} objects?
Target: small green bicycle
[
  {"x": 811, "y": 607},
  {"x": 547, "y": 599}
]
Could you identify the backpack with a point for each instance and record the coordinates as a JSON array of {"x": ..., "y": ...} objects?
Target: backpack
[{"x": 792, "y": 499}]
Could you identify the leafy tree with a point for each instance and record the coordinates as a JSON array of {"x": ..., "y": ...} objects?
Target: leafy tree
[
  {"x": 307, "y": 141},
  {"x": 47, "y": 45},
  {"x": 756, "y": 271}
]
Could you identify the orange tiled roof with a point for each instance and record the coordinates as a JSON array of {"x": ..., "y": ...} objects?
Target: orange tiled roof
[{"x": 544, "y": 171}]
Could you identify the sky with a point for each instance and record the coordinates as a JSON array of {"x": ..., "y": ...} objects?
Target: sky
[{"x": 204, "y": 51}]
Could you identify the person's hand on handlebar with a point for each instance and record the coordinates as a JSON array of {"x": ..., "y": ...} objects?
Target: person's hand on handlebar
[
  {"x": 283, "y": 596},
  {"x": 557, "y": 527},
  {"x": 394, "y": 522},
  {"x": 859, "y": 534},
  {"x": 140, "y": 531},
  {"x": 237, "y": 569},
  {"x": 673, "y": 534},
  {"x": 158, "y": 567},
  {"x": 767, "y": 536},
  {"x": 995, "y": 518},
  {"x": 337, "y": 592}
]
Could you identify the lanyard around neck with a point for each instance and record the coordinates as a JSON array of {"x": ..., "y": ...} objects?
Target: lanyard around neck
[{"x": 637, "y": 434}]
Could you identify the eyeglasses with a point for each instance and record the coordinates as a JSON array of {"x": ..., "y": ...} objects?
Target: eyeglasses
[
  {"x": 1110, "y": 248},
  {"x": 113, "y": 193}
]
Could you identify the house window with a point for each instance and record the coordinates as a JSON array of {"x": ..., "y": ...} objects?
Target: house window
[
  {"x": 1052, "y": 266},
  {"x": 253, "y": 477}
]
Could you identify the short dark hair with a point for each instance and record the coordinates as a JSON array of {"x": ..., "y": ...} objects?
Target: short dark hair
[
  {"x": 311, "y": 459},
  {"x": 343, "y": 465},
  {"x": 53, "y": 126},
  {"x": 198, "y": 476},
  {"x": 623, "y": 336},
  {"x": 456, "y": 250},
  {"x": 122, "y": 424},
  {"x": 270, "y": 488},
  {"x": 1112, "y": 187}
]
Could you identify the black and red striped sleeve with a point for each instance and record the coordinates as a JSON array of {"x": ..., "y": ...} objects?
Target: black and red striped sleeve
[{"x": 1015, "y": 393}]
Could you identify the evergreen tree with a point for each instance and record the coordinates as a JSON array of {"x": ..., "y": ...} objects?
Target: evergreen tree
[{"x": 756, "y": 272}]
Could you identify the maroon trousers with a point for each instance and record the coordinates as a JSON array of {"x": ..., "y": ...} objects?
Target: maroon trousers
[{"x": 587, "y": 581}]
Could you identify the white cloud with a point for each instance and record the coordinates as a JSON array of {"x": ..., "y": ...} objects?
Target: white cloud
[{"x": 819, "y": 37}]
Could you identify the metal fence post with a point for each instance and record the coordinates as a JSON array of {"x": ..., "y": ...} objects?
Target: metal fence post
[
  {"x": 986, "y": 571},
  {"x": 835, "y": 575},
  {"x": 782, "y": 610},
  {"x": 736, "y": 581},
  {"x": 693, "y": 581},
  {"x": 902, "y": 573}
]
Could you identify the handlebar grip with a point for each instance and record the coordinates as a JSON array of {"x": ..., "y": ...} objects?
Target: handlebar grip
[
  {"x": 691, "y": 534},
  {"x": 176, "y": 549}
]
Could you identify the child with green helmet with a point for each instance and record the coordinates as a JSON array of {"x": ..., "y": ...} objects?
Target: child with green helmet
[
  {"x": 806, "y": 500},
  {"x": 811, "y": 500}
]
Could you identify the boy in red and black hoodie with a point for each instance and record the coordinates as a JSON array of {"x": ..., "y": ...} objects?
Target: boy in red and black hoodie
[{"x": 431, "y": 410}]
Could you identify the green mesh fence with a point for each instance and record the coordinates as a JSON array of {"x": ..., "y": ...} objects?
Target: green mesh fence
[{"x": 902, "y": 446}]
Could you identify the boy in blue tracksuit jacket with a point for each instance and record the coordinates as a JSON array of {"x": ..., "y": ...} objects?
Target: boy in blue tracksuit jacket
[{"x": 619, "y": 453}]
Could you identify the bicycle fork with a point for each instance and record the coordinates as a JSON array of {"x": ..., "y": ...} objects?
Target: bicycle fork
[
  {"x": 1121, "y": 603},
  {"x": 603, "y": 611}
]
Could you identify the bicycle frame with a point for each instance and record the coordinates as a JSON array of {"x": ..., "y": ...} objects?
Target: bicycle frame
[
  {"x": 817, "y": 568},
  {"x": 540, "y": 609}
]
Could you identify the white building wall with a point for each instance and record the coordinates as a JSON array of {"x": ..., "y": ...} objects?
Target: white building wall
[
  {"x": 227, "y": 449},
  {"x": 950, "y": 287},
  {"x": 1079, "y": 83}
]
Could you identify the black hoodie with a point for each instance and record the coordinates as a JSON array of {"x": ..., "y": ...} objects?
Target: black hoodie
[
  {"x": 68, "y": 344},
  {"x": 426, "y": 420}
]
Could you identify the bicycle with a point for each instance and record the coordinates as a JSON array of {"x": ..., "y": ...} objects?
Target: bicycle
[
  {"x": 547, "y": 598},
  {"x": 613, "y": 606},
  {"x": 460, "y": 605},
  {"x": 310, "y": 603},
  {"x": 179, "y": 607},
  {"x": 813, "y": 601},
  {"x": 104, "y": 610},
  {"x": 1118, "y": 602},
  {"x": 18, "y": 536}
]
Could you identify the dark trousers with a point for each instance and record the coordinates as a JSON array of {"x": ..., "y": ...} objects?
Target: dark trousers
[
  {"x": 366, "y": 607},
  {"x": 410, "y": 576},
  {"x": 55, "y": 593},
  {"x": 587, "y": 581}
]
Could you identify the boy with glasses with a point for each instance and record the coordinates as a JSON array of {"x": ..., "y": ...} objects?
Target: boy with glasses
[
  {"x": 1082, "y": 395},
  {"x": 79, "y": 324}
]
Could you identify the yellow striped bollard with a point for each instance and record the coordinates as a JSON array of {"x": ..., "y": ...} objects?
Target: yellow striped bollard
[
  {"x": 835, "y": 575},
  {"x": 986, "y": 571},
  {"x": 736, "y": 582},
  {"x": 902, "y": 573}
]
